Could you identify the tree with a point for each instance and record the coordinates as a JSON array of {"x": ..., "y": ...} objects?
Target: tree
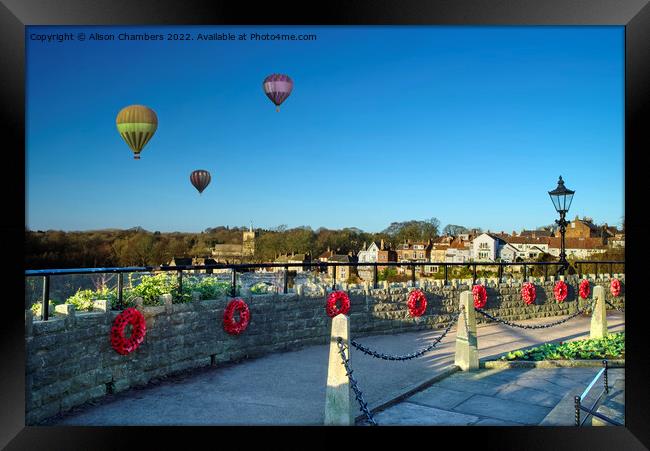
[
  {"x": 413, "y": 230},
  {"x": 454, "y": 230}
]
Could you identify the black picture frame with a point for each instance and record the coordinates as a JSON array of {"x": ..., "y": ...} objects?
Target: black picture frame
[{"x": 634, "y": 15}]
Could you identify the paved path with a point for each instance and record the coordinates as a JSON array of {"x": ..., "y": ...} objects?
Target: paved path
[
  {"x": 289, "y": 388},
  {"x": 498, "y": 397}
]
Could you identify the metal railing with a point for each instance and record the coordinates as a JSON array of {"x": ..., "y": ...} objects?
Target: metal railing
[
  {"x": 321, "y": 266},
  {"x": 591, "y": 410}
]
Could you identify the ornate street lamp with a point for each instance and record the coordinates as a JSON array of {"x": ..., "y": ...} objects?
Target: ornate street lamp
[{"x": 562, "y": 197}]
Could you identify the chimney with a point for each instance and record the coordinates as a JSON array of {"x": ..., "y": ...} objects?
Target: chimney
[
  {"x": 364, "y": 245},
  {"x": 382, "y": 244}
]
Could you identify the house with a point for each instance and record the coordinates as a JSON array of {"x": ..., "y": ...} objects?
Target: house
[
  {"x": 343, "y": 273},
  {"x": 376, "y": 252},
  {"x": 508, "y": 253},
  {"x": 369, "y": 254},
  {"x": 585, "y": 228},
  {"x": 577, "y": 247},
  {"x": 459, "y": 251},
  {"x": 618, "y": 240},
  {"x": 528, "y": 247},
  {"x": 486, "y": 247},
  {"x": 385, "y": 254},
  {"x": 326, "y": 255},
  {"x": 541, "y": 233},
  {"x": 412, "y": 252}
]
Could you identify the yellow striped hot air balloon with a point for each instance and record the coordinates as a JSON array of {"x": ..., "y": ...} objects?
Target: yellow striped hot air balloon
[{"x": 136, "y": 125}]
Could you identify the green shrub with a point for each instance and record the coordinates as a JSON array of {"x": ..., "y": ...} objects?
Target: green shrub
[
  {"x": 612, "y": 346},
  {"x": 260, "y": 288},
  {"x": 151, "y": 288},
  {"x": 36, "y": 309}
]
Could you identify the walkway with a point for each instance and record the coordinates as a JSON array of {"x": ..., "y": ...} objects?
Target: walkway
[
  {"x": 499, "y": 397},
  {"x": 289, "y": 388}
]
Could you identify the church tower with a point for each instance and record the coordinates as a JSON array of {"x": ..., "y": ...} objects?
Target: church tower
[{"x": 248, "y": 243}]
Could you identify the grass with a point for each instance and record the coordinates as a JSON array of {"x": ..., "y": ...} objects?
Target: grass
[{"x": 610, "y": 347}]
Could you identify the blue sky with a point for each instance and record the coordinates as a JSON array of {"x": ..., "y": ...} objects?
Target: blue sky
[{"x": 472, "y": 125}]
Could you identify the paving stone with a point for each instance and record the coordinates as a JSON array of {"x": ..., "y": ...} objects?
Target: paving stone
[
  {"x": 503, "y": 409},
  {"x": 529, "y": 395},
  {"x": 539, "y": 384},
  {"x": 460, "y": 383},
  {"x": 407, "y": 413},
  {"x": 440, "y": 397}
]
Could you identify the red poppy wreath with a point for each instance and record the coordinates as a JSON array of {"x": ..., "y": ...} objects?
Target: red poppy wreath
[
  {"x": 584, "y": 289},
  {"x": 119, "y": 342},
  {"x": 480, "y": 296},
  {"x": 560, "y": 290},
  {"x": 334, "y": 297},
  {"x": 417, "y": 303},
  {"x": 528, "y": 293},
  {"x": 229, "y": 324}
]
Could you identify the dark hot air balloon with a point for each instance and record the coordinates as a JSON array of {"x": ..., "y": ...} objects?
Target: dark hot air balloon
[
  {"x": 136, "y": 125},
  {"x": 200, "y": 179},
  {"x": 277, "y": 87}
]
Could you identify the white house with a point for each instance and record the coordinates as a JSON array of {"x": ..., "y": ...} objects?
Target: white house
[
  {"x": 508, "y": 253},
  {"x": 369, "y": 255},
  {"x": 486, "y": 247}
]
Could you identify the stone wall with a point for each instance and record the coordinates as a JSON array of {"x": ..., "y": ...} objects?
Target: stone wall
[{"x": 69, "y": 359}]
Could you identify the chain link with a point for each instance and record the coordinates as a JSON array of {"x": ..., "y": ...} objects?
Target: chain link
[
  {"x": 413, "y": 355},
  {"x": 622, "y": 310},
  {"x": 363, "y": 405},
  {"x": 534, "y": 326}
]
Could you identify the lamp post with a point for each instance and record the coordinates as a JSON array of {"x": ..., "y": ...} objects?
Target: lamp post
[{"x": 562, "y": 197}]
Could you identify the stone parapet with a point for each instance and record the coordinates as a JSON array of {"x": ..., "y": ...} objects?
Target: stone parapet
[{"x": 69, "y": 359}]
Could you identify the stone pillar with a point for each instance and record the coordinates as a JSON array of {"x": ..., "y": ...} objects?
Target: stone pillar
[
  {"x": 599, "y": 315},
  {"x": 466, "y": 346},
  {"x": 338, "y": 397},
  {"x": 29, "y": 322},
  {"x": 166, "y": 300},
  {"x": 101, "y": 305},
  {"x": 67, "y": 311}
]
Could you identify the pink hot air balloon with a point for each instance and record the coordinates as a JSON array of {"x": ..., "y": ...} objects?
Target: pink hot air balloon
[
  {"x": 277, "y": 87},
  {"x": 200, "y": 179}
]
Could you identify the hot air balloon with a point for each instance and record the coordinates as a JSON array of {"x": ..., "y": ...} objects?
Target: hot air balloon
[
  {"x": 200, "y": 179},
  {"x": 277, "y": 87},
  {"x": 136, "y": 124}
]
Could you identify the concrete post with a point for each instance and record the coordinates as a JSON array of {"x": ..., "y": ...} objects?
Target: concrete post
[
  {"x": 466, "y": 346},
  {"x": 599, "y": 315},
  {"x": 338, "y": 399}
]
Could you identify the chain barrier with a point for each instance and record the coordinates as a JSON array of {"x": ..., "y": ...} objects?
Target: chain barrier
[
  {"x": 381, "y": 355},
  {"x": 533, "y": 326},
  {"x": 363, "y": 405},
  {"x": 622, "y": 310}
]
